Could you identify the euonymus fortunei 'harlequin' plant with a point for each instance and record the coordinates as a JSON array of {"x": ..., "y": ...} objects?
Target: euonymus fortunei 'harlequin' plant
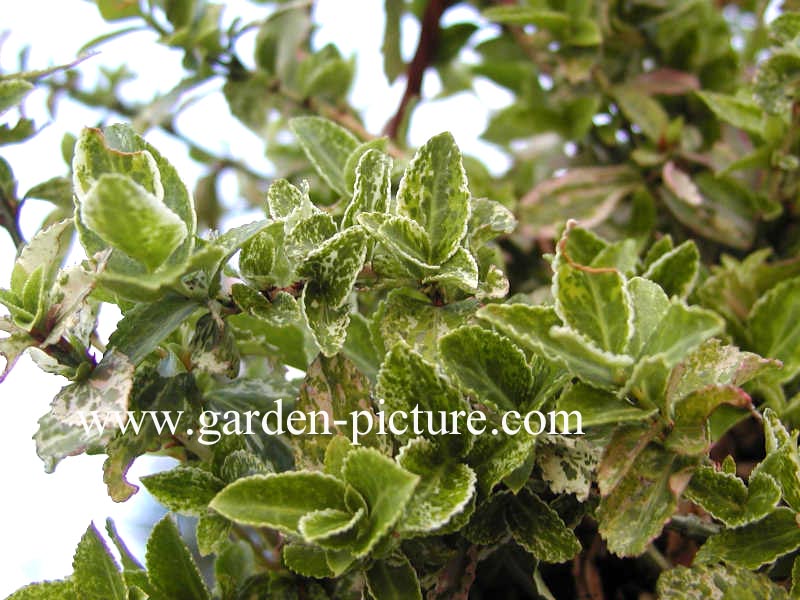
[{"x": 637, "y": 265}]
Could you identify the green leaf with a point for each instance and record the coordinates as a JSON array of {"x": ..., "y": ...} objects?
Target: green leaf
[
  {"x": 599, "y": 407},
  {"x": 634, "y": 510},
  {"x": 676, "y": 270},
  {"x": 279, "y": 500},
  {"x": 754, "y": 544},
  {"x": 445, "y": 488},
  {"x": 327, "y": 146},
  {"x": 306, "y": 560},
  {"x": 434, "y": 193},
  {"x": 538, "y": 528},
  {"x": 682, "y": 329},
  {"x": 557, "y": 22},
  {"x": 393, "y": 63},
  {"x": 496, "y": 457},
  {"x": 782, "y": 461},
  {"x": 587, "y": 194},
  {"x": 212, "y": 534},
  {"x": 718, "y": 581},
  {"x": 594, "y": 303},
  {"x": 774, "y": 325},
  {"x": 744, "y": 114},
  {"x": 12, "y": 92},
  {"x": 150, "y": 232},
  {"x": 372, "y": 188},
  {"x": 145, "y": 326},
  {"x": 725, "y": 497},
  {"x": 46, "y": 590},
  {"x": 385, "y": 487},
  {"x": 184, "y": 489},
  {"x": 96, "y": 575},
  {"x": 170, "y": 565},
  {"x": 643, "y": 111},
  {"x": 393, "y": 579},
  {"x": 489, "y": 365},
  {"x": 407, "y": 381},
  {"x": 537, "y": 328},
  {"x": 115, "y": 10}
]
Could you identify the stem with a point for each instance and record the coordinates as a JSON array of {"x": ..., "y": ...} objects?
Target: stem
[
  {"x": 423, "y": 57},
  {"x": 692, "y": 527},
  {"x": 272, "y": 563}
]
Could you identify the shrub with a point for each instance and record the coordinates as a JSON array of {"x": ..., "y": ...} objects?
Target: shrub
[{"x": 636, "y": 266}]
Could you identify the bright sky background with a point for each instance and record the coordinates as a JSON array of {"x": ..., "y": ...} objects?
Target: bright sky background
[{"x": 43, "y": 516}]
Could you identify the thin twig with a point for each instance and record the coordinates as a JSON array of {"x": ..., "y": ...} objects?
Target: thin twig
[{"x": 423, "y": 57}]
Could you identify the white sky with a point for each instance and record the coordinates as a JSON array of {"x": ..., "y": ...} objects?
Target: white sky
[{"x": 43, "y": 516}]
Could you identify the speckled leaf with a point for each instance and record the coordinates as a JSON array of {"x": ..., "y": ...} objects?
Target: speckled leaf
[
  {"x": 716, "y": 363},
  {"x": 373, "y": 186},
  {"x": 401, "y": 236},
  {"x": 170, "y": 565},
  {"x": 149, "y": 231},
  {"x": 410, "y": 316},
  {"x": 279, "y": 500},
  {"x": 774, "y": 325},
  {"x": 328, "y": 325},
  {"x": 184, "y": 489},
  {"x": 11, "y": 348},
  {"x": 105, "y": 391},
  {"x": 393, "y": 579},
  {"x": 633, "y": 513},
  {"x": 488, "y": 219},
  {"x": 433, "y": 192},
  {"x": 725, "y": 496},
  {"x": 444, "y": 490},
  {"x": 333, "y": 267},
  {"x": 568, "y": 463},
  {"x": 690, "y": 432},
  {"x": 717, "y": 582},
  {"x": 406, "y": 380},
  {"x": 333, "y": 386},
  {"x": 676, "y": 271},
  {"x": 460, "y": 271},
  {"x": 56, "y": 441},
  {"x": 283, "y": 198},
  {"x": 538, "y": 528},
  {"x": 306, "y": 236},
  {"x": 327, "y": 145},
  {"x": 488, "y": 364},
  {"x": 385, "y": 487},
  {"x": 754, "y": 544}
]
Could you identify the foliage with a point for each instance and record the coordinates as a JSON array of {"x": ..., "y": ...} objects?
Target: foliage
[{"x": 638, "y": 262}]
